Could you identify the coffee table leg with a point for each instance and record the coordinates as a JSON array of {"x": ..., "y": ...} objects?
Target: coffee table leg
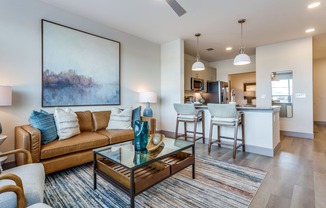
[
  {"x": 193, "y": 165},
  {"x": 94, "y": 172},
  {"x": 132, "y": 189}
]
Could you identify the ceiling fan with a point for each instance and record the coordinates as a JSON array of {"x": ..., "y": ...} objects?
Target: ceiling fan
[{"x": 176, "y": 7}]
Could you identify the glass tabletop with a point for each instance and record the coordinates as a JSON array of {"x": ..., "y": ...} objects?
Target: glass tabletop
[{"x": 125, "y": 154}]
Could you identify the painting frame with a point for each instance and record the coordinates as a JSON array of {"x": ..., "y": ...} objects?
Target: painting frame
[{"x": 79, "y": 68}]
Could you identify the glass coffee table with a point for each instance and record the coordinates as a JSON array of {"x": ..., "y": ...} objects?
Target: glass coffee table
[{"x": 135, "y": 171}]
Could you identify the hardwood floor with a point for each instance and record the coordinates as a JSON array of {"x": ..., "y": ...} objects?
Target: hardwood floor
[{"x": 296, "y": 176}]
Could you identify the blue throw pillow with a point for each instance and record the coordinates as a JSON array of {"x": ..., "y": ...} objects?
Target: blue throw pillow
[
  {"x": 44, "y": 122},
  {"x": 135, "y": 116}
]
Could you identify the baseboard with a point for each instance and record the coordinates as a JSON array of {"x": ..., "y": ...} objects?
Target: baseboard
[
  {"x": 322, "y": 123},
  {"x": 277, "y": 148},
  {"x": 297, "y": 134},
  {"x": 249, "y": 148},
  {"x": 260, "y": 150}
]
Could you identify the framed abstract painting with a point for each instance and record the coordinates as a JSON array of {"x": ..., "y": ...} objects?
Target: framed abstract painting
[{"x": 78, "y": 68}]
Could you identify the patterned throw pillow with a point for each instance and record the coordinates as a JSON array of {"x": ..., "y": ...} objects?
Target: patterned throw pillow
[
  {"x": 44, "y": 122},
  {"x": 67, "y": 123},
  {"x": 120, "y": 119}
]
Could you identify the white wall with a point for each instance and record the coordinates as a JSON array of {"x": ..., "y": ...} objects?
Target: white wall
[
  {"x": 319, "y": 75},
  {"x": 295, "y": 55},
  {"x": 20, "y": 61},
  {"x": 172, "y": 81},
  {"x": 226, "y": 67}
]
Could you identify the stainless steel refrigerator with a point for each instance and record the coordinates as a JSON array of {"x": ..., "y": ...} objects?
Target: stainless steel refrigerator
[{"x": 217, "y": 92}]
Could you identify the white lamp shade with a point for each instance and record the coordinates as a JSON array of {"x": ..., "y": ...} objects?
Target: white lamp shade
[
  {"x": 198, "y": 66},
  {"x": 5, "y": 96},
  {"x": 145, "y": 97},
  {"x": 242, "y": 59}
]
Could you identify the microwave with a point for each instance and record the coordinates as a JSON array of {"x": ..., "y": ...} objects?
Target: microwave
[{"x": 197, "y": 84}]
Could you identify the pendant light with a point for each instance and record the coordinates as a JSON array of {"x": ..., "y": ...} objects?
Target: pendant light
[
  {"x": 241, "y": 58},
  {"x": 198, "y": 65}
]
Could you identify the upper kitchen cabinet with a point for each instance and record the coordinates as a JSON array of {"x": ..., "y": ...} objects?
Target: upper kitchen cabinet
[{"x": 209, "y": 74}]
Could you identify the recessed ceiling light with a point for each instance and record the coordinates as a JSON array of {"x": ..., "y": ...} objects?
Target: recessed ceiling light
[
  {"x": 313, "y": 5},
  {"x": 228, "y": 48},
  {"x": 310, "y": 30}
]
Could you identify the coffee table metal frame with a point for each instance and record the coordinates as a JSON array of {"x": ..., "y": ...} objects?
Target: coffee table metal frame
[{"x": 131, "y": 191}]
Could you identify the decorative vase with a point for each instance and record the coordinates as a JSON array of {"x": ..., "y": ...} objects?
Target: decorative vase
[
  {"x": 140, "y": 157},
  {"x": 141, "y": 135}
]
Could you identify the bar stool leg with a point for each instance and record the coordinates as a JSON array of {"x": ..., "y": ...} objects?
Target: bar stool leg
[
  {"x": 210, "y": 138},
  {"x": 176, "y": 129},
  {"x": 218, "y": 136},
  {"x": 235, "y": 141},
  {"x": 243, "y": 137},
  {"x": 195, "y": 130},
  {"x": 185, "y": 129},
  {"x": 203, "y": 127}
]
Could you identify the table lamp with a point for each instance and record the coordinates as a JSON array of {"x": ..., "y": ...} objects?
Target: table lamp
[
  {"x": 148, "y": 97},
  {"x": 5, "y": 98}
]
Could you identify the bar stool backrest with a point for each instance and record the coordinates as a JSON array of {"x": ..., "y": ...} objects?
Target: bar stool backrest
[
  {"x": 185, "y": 109},
  {"x": 223, "y": 110}
]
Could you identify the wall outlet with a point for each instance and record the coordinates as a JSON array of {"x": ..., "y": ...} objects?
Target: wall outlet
[{"x": 300, "y": 95}]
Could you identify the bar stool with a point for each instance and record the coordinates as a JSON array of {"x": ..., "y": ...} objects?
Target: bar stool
[
  {"x": 226, "y": 115},
  {"x": 187, "y": 113}
]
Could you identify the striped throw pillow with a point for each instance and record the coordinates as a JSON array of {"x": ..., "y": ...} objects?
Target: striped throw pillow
[
  {"x": 44, "y": 122},
  {"x": 67, "y": 123},
  {"x": 120, "y": 119}
]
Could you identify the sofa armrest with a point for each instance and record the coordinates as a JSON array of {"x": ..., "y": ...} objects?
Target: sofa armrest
[
  {"x": 151, "y": 123},
  {"x": 28, "y": 138}
]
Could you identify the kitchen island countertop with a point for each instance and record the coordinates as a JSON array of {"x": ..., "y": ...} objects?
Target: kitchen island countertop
[{"x": 248, "y": 108}]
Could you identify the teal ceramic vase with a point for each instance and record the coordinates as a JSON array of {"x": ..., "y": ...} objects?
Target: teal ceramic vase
[{"x": 141, "y": 135}]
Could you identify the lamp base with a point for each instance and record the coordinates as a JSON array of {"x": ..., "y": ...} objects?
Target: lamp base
[{"x": 148, "y": 111}]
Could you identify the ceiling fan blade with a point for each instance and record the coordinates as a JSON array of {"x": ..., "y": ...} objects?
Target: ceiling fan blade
[{"x": 176, "y": 7}]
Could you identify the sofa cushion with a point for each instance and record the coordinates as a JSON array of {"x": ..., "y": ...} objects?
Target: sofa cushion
[
  {"x": 66, "y": 122},
  {"x": 80, "y": 142},
  {"x": 85, "y": 121},
  {"x": 44, "y": 122},
  {"x": 120, "y": 119},
  {"x": 101, "y": 119},
  {"x": 117, "y": 136}
]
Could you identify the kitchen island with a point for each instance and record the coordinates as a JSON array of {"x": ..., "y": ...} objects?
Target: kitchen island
[{"x": 261, "y": 125}]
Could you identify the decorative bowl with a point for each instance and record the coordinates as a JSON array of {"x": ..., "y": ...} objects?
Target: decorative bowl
[{"x": 150, "y": 145}]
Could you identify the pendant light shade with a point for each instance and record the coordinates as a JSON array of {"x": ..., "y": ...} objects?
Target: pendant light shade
[
  {"x": 241, "y": 58},
  {"x": 198, "y": 65}
]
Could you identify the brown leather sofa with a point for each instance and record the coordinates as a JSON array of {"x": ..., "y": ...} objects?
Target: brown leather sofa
[{"x": 77, "y": 150}]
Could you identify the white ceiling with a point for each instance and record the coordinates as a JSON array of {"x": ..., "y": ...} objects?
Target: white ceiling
[{"x": 268, "y": 21}]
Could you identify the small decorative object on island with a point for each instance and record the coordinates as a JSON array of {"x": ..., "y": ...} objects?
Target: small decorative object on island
[
  {"x": 155, "y": 141},
  {"x": 232, "y": 97},
  {"x": 141, "y": 135}
]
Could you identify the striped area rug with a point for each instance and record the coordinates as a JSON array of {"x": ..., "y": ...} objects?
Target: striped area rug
[{"x": 217, "y": 184}]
